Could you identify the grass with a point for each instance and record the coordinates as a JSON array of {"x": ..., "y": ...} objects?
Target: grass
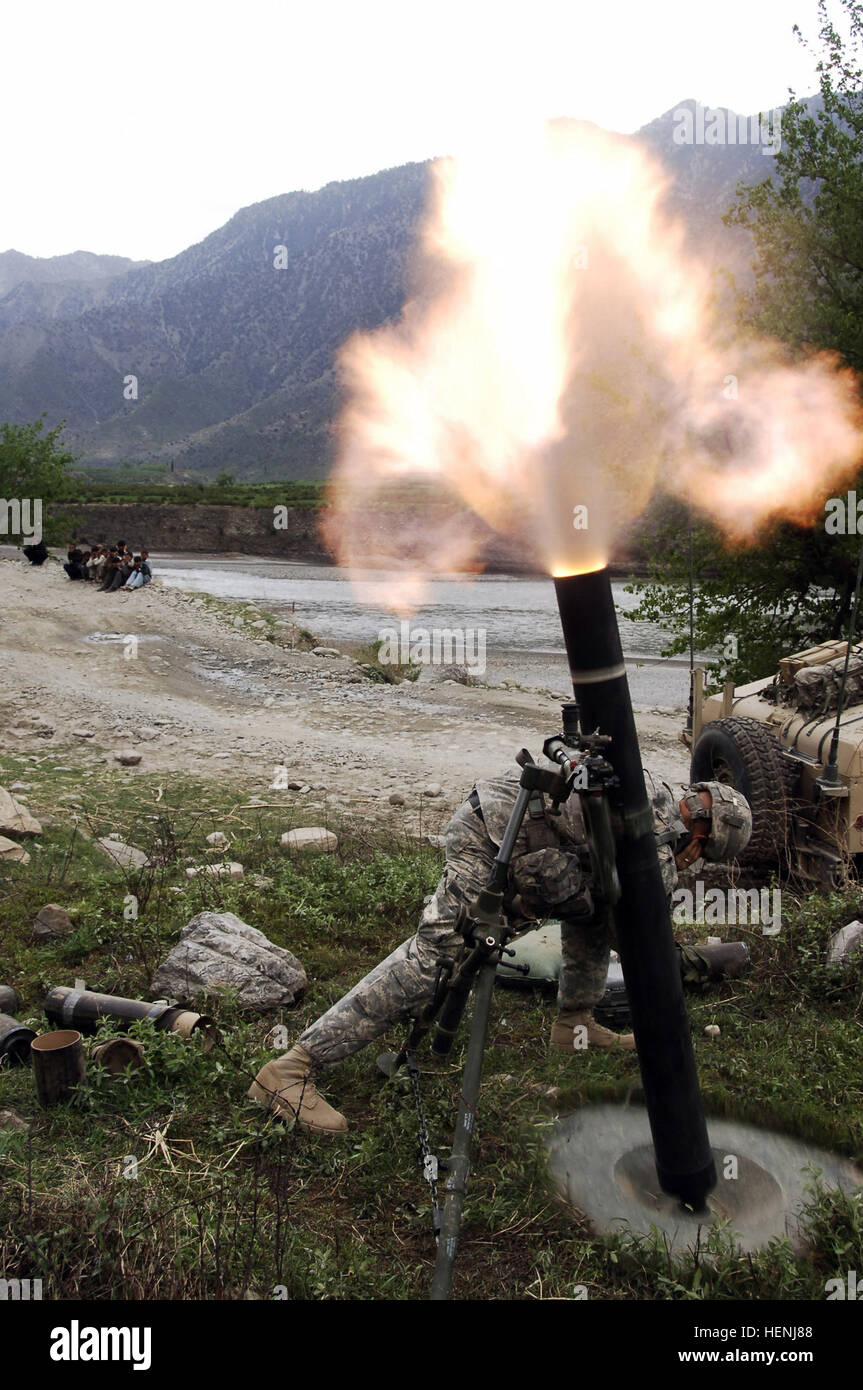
[{"x": 169, "y": 1183}]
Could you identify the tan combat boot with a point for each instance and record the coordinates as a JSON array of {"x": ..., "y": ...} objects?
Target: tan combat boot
[
  {"x": 565, "y": 1039},
  {"x": 286, "y": 1087}
]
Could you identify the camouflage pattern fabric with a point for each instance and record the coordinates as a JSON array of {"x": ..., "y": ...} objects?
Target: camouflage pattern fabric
[
  {"x": 541, "y": 881},
  {"x": 814, "y": 691}
]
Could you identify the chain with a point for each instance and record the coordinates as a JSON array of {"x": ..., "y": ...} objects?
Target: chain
[{"x": 430, "y": 1162}]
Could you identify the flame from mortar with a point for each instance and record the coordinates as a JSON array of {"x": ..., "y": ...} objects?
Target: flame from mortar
[{"x": 558, "y": 359}]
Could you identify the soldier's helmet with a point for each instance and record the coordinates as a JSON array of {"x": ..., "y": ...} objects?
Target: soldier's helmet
[{"x": 729, "y": 815}]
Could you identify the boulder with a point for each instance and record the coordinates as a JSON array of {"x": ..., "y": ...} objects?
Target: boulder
[
  {"x": 52, "y": 920},
  {"x": 310, "y": 839},
  {"x": 123, "y": 856},
  {"x": 15, "y": 819},
  {"x": 9, "y": 1120},
  {"x": 231, "y": 870},
  {"x": 433, "y": 789},
  {"x": 325, "y": 651},
  {"x": 217, "y": 840},
  {"x": 219, "y": 951},
  {"x": 128, "y": 757},
  {"x": 12, "y": 853},
  {"x": 846, "y": 943}
]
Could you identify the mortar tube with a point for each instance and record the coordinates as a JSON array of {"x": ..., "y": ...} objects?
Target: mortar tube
[
  {"x": 15, "y": 1040},
  {"x": 85, "y": 1009},
  {"x": 684, "y": 1162}
]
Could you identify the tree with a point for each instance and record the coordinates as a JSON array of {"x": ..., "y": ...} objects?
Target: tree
[
  {"x": 795, "y": 587},
  {"x": 33, "y": 465}
]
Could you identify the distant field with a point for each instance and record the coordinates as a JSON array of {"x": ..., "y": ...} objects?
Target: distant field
[{"x": 115, "y": 492}]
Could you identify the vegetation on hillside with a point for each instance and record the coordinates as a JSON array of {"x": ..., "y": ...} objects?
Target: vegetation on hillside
[{"x": 795, "y": 587}]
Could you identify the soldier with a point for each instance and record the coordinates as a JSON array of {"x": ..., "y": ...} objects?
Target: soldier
[{"x": 549, "y": 876}]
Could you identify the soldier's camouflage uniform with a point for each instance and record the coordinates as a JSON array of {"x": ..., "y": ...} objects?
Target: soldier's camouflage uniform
[{"x": 548, "y": 878}]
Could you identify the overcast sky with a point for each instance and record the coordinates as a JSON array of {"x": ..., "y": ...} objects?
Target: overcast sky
[{"x": 138, "y": 128}]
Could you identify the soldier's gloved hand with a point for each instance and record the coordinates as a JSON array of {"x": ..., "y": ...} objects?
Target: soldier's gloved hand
[{"x": 545, "y": 878}]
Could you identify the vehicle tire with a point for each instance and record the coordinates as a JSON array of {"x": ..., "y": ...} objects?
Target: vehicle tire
[{"x": 744, "y": 754}]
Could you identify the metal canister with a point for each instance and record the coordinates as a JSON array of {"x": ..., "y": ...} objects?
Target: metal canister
[
  {"x": 84, "y": 1008},
  {"x": 9, "y": 1001},
  {"x": 58, "y": 1065},
  {"x": 119, "y": 1053},
  {"x": 15, "y": 1042}
]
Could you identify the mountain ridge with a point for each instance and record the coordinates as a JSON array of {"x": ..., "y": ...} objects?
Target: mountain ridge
[{"x": 231, "y": 353}]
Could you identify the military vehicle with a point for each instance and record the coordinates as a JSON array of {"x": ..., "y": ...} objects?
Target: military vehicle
[{"x": 797, "y": 758}]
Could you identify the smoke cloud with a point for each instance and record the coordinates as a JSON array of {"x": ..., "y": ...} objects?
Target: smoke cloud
[{"x": 558, "y": 359}]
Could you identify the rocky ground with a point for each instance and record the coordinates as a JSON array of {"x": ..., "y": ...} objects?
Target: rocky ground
[{"x": 179, "y": 684}]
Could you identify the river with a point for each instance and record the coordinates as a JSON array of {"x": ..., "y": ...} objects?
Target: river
[{"x": 517, "y": 616}]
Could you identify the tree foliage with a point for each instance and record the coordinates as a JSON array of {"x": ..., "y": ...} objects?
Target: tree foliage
[
  {"x": 795, "y": 586},
  {"x": 33, "y": 464}
]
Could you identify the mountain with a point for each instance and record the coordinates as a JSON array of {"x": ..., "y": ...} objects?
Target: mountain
[
  {"x": 78, "y": 267},
  {"x": 232, "y": 352}
]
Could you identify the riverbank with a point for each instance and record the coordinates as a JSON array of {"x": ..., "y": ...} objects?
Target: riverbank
[{"x": 189, "y": 683}]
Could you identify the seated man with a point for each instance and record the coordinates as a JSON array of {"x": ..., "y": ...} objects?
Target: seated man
[
  {"x": 549, "y": 876},
  {"x": 146, "y": 568},
  {"x": 135, "y": 579},
  {"x": 75, "y": 562}
]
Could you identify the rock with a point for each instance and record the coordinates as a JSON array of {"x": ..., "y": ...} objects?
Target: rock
[
  {"x": 52, "y": 920},
  {"x": 713, "y": 1030},
  {"x": 29, "y": 725},
  {"x": 433, "y": 789},
  {"x": 262, "y": 622},
  {"x": 319, "y": 786},
  {"x": 311, "y": 838},
  {"x": 846, "y": 943},
  {"x": 218, "y": 951},
  {"x": 438, "y": 841},
  {"x": 83, "y": 733},
  {"x": 16, "y": 819},
  {"x": 12, "y": 853},
  {"x": 20, "y": 787},
  {"x": 122, "y": 855},
  {"x": 396, "y": 799},
  {"x": 146, "y": 733},
  {"x": 232, "y": 870},
  {"x": 325, "y": 651},
  {"x": 295, "y": 786},
  {"x": 261, "y": 881},
  {"x": 239, "y": 622},
  {"x": 217, "y": 839},
  {"x": 9, "y": 1120},
  {"x": 128, "y": 757}
]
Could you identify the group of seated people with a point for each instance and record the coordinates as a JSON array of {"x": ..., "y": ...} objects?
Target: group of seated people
[{"x": 111, "y": 567}]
